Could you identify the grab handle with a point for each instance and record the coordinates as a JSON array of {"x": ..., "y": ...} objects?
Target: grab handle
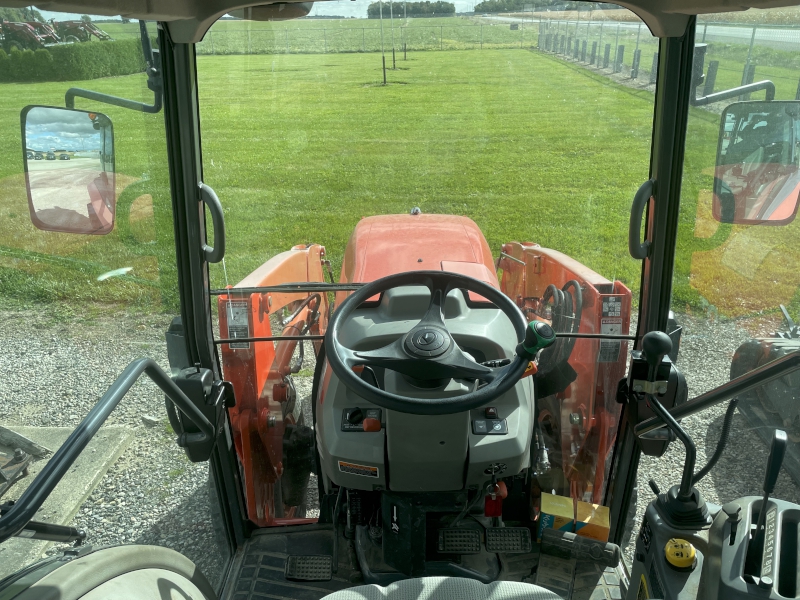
[
  {"x": 639, "y": 249},
  {"x": 215, "y": 253}
]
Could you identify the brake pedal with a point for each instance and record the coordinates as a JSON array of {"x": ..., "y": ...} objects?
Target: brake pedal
[
  {"x": 459, "y": 541},
  {"x": 506, "y": 540},
  {"x": 313, "y": 567}
]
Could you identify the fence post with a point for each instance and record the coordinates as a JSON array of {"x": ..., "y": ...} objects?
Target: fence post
[
  {"x": 705, "y": 31},
  {"x": 249, "y": 50},
  {"x": 594, "y": 53},
  {"x": 638, "y": 35},
  {"x": 577, "y": 53},
  {"x": 583, "y": 51},
  {"x": 563, "y": 45},
  {"x": 749, "y": 55},
  {"x": 607, "y": 56},
  {"x": 569, "y": 46},
  {"x": 600, "y": 41},
  {"x": 405, "y": 56},
  {"x": 637, "y": 56},
  {"x": 620, "y": 58},
  {"x": 616, "y": 45},
  {"x": 654, "y": 68},
  {"x": 522, "y": 35},
  {"x": 363, "y": 45},
  {"x": 748, "y": 76},
  {"x": 211, "y": 39},
  {"x": 441, "y": 37},
  {"x": 711, "y": 77}
]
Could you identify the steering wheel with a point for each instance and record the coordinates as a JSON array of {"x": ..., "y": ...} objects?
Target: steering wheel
[{"x": 428, "y": 350}]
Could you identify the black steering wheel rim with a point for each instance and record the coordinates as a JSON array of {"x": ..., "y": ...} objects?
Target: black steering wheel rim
[{"x": 500, "y": 380}]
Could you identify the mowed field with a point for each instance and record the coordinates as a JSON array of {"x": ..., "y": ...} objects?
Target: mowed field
[{"x": 299, "y": 147}]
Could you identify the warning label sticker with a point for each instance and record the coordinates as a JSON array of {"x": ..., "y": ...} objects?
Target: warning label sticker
[
  {"x": 354, "y": 469},
  {"x": 238, "y": 324},
  {"x": 610, "y": 324}
]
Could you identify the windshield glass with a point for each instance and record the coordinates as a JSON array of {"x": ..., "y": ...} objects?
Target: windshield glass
[
  {"x": 369, "y": 139},
  {"x": 735, "y": 284}
]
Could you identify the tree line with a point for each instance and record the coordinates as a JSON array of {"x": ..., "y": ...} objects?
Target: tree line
[
  {"x": 495, "y": 6},
  {"x": 412, "y": 9},
  {"x": 19, "y": 15}
]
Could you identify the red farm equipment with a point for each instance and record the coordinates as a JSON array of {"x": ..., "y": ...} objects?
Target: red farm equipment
[
  {"x": 26, "y": 36},
  {"x": 79, "y": 31}
]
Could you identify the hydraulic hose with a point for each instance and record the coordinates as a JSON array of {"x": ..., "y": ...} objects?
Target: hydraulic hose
[{"x": 723, "y": 441}]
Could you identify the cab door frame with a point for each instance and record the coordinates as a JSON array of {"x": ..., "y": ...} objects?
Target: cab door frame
[
  {"x": 182, "y": 124},
  {"x": 673, "y": 90}
]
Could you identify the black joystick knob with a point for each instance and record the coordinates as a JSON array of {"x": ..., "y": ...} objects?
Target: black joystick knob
[{"x": 656, "y": 345}]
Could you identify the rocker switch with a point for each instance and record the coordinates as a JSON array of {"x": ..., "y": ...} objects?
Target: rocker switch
[{"x": 491, "y": 412}]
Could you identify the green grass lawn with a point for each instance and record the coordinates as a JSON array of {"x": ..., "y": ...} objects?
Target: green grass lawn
[
  {"x": 299, "y": 147},
  {"x": 529, "y": 147}
]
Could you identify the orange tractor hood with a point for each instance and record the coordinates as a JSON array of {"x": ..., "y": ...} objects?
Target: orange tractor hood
[{"x": 389, "y": 244}]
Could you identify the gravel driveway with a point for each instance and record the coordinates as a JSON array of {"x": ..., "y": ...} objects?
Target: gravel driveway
[{"x": 56, "y": 371}]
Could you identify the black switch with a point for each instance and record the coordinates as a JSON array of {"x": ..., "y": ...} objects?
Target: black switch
[
  {"x": 355, "y": 416},
  {"x": 491, "y": 412}
]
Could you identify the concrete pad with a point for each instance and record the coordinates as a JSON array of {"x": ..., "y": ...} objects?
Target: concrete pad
[
  {"x": 68, "y": 496},
  {"x": 10, "y": 439}
]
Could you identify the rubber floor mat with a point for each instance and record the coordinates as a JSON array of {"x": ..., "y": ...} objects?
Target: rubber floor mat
[{"x": 262, "y": 569}]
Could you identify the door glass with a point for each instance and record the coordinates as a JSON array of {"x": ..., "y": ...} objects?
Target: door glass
[
  {"x": 505, "y": 149},
  {"x": 736, "y": 270},
  {"x": 77, "y": 308}
]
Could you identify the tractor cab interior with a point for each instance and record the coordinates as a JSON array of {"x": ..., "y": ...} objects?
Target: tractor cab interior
[{"x": 501, "y": 320}]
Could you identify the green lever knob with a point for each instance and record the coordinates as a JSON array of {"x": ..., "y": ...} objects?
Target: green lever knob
[{"x": 538, "y": 335}]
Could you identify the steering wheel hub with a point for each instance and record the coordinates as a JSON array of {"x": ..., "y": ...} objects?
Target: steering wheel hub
[{"x": 427, "y": 342}]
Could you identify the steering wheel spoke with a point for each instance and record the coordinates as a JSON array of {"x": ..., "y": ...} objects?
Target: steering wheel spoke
[{"x": 434, "y": 315}]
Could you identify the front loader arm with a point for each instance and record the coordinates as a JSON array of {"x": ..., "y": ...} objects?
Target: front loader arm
[{"x": 261, "y": 371}]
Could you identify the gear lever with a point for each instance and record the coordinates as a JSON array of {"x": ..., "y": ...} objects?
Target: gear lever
[
  {"x": 656, "y": 345},
  {"x": 777, "y": 451},
  {"x": 682, "y": 506}
]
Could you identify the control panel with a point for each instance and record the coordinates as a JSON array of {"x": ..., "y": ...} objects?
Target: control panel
[
  {"x": 361, "y": 419},
  {"x": 492, "y": 424}
]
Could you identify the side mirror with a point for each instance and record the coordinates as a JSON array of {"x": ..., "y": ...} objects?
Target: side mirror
[
  {"x": 69, "y": 169},
  {"x": 757, "y": 176}
]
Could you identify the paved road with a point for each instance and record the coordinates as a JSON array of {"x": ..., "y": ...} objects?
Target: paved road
[
  {"x": 62, "y": 191},
  {"x": 780, "y": 38}
]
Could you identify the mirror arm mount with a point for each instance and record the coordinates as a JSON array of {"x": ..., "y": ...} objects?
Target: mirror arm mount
[
  {"x": 72, "y": 93},
  {"x": 766, "y": 85},
  {"x": 154, "y": 82}
]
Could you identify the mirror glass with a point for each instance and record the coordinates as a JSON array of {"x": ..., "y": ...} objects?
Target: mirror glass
[
  {"x": 69, "y": 169},
  {"x": 757, "y": 180}
]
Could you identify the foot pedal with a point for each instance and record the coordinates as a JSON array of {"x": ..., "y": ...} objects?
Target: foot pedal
[
  {"x": 459, "y": 541},
  {"x": 506, "y": 540},
  {"x": 314, "y": 567}
]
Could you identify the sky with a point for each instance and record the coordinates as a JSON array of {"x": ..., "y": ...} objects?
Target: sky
[{"x": 47, "y": 128}]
